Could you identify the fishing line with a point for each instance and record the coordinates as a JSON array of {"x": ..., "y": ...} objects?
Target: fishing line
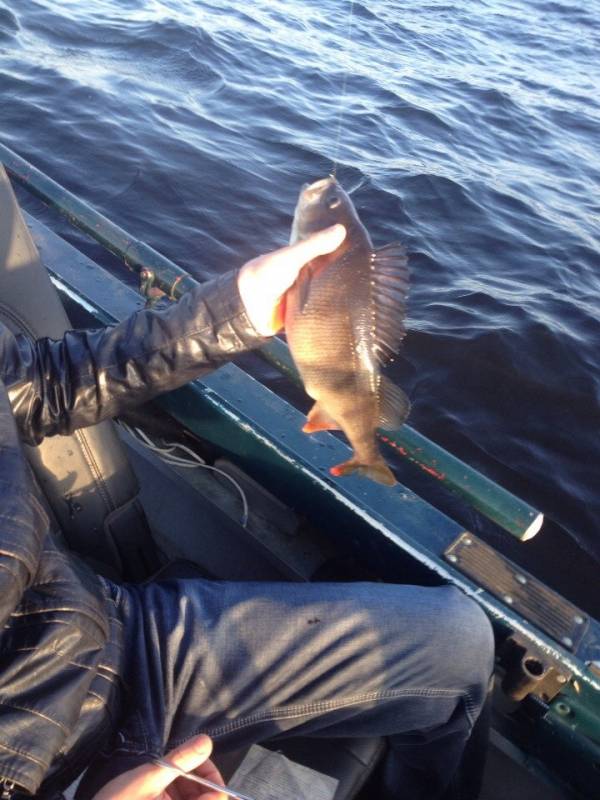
[{"x": 345, "y": 50}]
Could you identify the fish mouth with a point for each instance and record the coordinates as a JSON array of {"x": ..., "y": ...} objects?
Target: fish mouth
[{"x": 313, "y": 191}]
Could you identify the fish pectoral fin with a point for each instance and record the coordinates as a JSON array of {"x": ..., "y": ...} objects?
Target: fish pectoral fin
[
  {"x": 378, "y": 471},
  {"x": 278, "y": 317},
  {"x": 303, "y": 292},
  {"x": 394, "y": 405},
  {"x": 305, "y": 279},
  {"x": 390, "y": 290},
  {"x": 318, "y": 419},
  {"x": 303, "y": 283}
]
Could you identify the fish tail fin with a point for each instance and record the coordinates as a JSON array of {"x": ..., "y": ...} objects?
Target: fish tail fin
[{"x": 377, "y": 470}]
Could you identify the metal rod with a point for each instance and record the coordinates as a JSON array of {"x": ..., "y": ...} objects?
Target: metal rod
[
  {"x": 502, "y": 507},
  {"x": 203, "y": 781}
]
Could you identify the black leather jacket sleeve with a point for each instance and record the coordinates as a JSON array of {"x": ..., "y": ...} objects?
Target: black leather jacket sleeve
[
  {"x": 23, "y": 521},
  {"x": 87, "y": 376}
]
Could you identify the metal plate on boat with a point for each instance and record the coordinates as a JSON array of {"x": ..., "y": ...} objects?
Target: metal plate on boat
[{"x": 525, "y": 594}]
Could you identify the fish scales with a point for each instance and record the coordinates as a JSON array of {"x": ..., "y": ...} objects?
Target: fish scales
[
  {"x": 333, "y": 313},
  {"x": 329, "y": 354}
]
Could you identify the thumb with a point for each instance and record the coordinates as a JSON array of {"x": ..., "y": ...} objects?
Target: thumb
[
  {"x": 188, "y": 756},
  {"x": 191, "y": 754},
  {"x": 320, "y": 243}
]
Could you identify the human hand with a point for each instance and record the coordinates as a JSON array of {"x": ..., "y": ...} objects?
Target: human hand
[
  {"x": 153, "y": 782},
  {"x": 264, "y": 281}
]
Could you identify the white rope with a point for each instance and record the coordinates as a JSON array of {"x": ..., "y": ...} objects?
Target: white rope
[{"x": 166, "y": 454}]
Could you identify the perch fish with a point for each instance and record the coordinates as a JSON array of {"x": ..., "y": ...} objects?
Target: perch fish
[{"x": 344, "y": 319}]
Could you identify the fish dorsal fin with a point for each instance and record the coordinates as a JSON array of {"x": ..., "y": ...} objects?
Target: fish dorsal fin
[
  {"x": 390, "y": 289},
  {"x": 394, "y": 405}
]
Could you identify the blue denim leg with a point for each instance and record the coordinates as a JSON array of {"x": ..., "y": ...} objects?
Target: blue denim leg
[{"x": 248, "y": 661}]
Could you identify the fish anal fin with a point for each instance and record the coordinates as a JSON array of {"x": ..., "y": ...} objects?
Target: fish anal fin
[
  {"x": 318, "y": 419},
  {"x": 394, "y": 405},
  {"x": 390, "y": 276},
  {"x": 378, "y": 471}
]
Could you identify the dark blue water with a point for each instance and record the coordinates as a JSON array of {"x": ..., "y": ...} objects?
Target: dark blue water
[{"x": 471, "y": 132}]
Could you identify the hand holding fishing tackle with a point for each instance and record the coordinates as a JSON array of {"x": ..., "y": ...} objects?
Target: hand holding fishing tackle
[
  {"x": 163, "y": 781},
  {"x": 264, "y": 281}
]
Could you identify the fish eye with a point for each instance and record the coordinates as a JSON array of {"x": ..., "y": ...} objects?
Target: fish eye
[{"x": 333, "y": 202}]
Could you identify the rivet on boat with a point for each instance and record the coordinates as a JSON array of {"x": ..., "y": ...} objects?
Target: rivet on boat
[{"x": 563, "y": 709}]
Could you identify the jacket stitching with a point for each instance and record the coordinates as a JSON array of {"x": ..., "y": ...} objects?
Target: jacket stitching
[
  {"x": 32, "y": 611},
  {"x": 36, "y": 713},
  {"x": 18, "y": 491},
  {"x": 7, "y": 569},
  {"x": 98, "y": 674},
  {"x": 101, "y": 698},
  {"x": 55, "y": 621},
  {"x": 18, "y": 751},
  {"x": 112, "y": 672},
  {"x": 18, "y": 552}
]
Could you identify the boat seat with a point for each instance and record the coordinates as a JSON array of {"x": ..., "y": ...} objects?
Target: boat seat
[{"x": 86, "y": 477}]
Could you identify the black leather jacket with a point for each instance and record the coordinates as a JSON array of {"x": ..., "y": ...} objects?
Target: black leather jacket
[{"x": 59, "y": 650}]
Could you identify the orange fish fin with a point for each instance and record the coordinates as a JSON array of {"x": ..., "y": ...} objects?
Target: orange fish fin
[
  {"x": 378, "y": 471},
  {"x": 278, "y": 318},
  {"x": 394, "y": 405},
  {"x": 390, "y": 290},
  {"x": 319, "y": 420}
]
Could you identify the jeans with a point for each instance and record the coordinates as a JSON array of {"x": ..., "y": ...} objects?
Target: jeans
[{"x": 245, "y": 662}]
